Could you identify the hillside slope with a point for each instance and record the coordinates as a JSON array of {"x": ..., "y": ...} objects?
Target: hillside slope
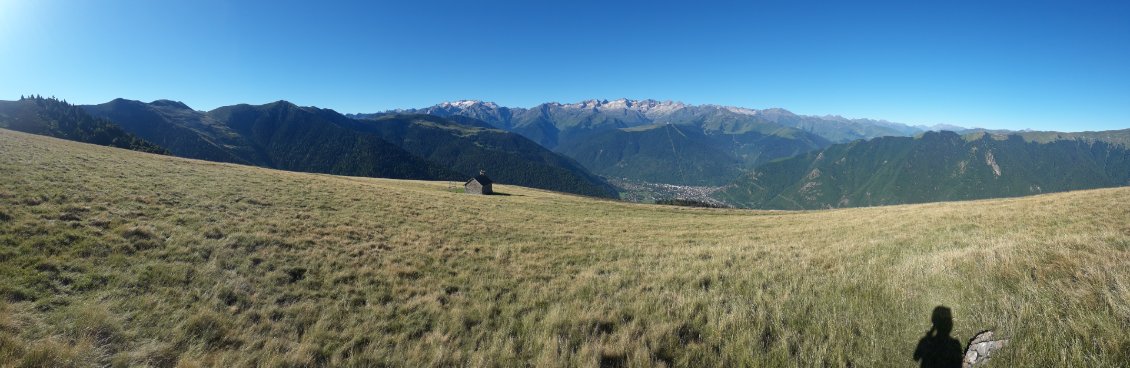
[
  {"x": 938, "y": 166},
  {"x": 51, "y": 117},
  {"x": 319, "y": 140},
  {"x": 112, "y": 257}
]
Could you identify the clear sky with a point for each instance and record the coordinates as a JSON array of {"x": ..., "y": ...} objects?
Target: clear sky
[{"x": 1062, "y": 65}]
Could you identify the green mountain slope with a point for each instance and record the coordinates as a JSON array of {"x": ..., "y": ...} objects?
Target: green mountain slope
[
  {"x": 278, "y": 135},
  {"x": 51, "y": 117},
  {"x": 469, "y": 145},
  {"x": 937, "y": 166},
  {"x": 309, "y": 139},
  {"x": 180, "y": 129}
]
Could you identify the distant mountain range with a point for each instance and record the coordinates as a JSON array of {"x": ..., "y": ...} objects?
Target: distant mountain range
[
  {"x": 937, "y": 166},
  {"x": 284, "y": 136},
  {"x": 550, "y": 123},
  {"x": 629, "y": 139},
  {"x": 768, "y": 158}
]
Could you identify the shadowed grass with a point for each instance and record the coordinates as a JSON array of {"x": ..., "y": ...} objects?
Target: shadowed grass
[{"x": 111, "y": 257}]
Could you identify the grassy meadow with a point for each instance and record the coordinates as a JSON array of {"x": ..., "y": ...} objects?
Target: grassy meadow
[{"x": 111, "y": 257}]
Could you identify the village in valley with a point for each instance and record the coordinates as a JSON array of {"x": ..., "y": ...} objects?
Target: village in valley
[
  {"x": 644, "y": 192},
  {"x": 631, "y": 191}
]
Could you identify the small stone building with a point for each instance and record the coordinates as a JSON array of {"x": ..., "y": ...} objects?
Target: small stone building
[{"x": 479, "y": 184}]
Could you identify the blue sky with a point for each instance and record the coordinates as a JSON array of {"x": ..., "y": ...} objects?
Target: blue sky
[{"x": 1061, "y": 65}]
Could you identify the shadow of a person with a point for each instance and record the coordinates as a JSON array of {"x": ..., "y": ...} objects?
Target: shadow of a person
[{"x": 937, "y": 348}]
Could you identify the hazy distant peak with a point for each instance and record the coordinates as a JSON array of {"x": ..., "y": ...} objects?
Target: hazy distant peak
[
  {"x": 950, "y": 127},
  {"x": 776, "y": 114},
  {"x": 777, "y": 110}
]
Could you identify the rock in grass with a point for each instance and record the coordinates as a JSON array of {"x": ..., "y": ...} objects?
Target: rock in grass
[{"x": 981, "y": 348}]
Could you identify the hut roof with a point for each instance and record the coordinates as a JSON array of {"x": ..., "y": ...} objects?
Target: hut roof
[{"x": 481, "y": 178}]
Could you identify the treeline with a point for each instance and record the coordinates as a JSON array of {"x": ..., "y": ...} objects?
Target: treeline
[{"x": 57, "y": 118}]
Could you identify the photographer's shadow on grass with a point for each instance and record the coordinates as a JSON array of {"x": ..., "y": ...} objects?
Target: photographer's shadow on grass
[{"x": 937, "y": 349}]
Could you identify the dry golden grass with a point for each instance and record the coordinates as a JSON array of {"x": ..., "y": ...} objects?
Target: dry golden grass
[{"x": 111, "y": 257}]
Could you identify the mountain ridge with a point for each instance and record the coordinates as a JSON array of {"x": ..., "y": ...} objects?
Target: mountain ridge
[
  {"x": 570, "y": 128},
  {"x": 656, "y": 109},
  {"x": 286, "y": 136}
]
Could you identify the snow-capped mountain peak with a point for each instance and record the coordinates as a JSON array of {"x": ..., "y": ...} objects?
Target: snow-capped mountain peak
[
  {"x": 464, "y": 104},
  {"x": 647, "y": 107}
]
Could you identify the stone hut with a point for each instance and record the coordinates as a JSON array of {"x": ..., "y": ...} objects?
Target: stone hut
[{"x": 480, "y": 184}]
